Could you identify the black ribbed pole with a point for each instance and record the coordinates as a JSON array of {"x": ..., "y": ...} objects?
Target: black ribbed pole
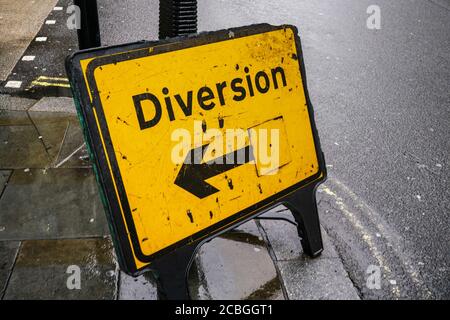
[
  {"x": 89, "y": 31},
  {"x": 177, "y": 18}
]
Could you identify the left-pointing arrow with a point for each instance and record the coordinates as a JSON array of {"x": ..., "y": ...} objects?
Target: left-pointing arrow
[{"x": 193, "y": 172}]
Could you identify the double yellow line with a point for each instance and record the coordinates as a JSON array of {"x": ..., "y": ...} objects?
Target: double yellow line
[{"x": 50, "y": 82}]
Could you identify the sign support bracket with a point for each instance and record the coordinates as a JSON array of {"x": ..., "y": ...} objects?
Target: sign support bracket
[
  {"x": 303, "y": 206},
  {"x": 171, "y": 283}
]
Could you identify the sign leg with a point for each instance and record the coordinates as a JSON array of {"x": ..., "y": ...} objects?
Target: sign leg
[
  {"x": 303, "y": 206},
  {"x": 177, "y": 18},
  {"x": 89, "y": 31},
  {"x": 171, "y": 273}
]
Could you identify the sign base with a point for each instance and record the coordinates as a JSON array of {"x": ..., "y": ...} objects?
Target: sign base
[{"x": 173, "y": 284}]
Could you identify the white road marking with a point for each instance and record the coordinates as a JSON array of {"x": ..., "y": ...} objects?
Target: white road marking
[
  {"x": 13, "y": 84},
  {"x": 41, "y": 39},
  {"x": 50, "y": 21},
  {"x": 368, "y": 239},
  {"x": 387, "y": 233},
  {"x": 28, "y": 58},
  {"x": 57, "y": 8}
]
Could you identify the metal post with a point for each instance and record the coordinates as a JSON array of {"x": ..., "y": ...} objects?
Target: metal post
[
  {"x": 89, "y": 32},
  {"x": 177, "y": 18}
]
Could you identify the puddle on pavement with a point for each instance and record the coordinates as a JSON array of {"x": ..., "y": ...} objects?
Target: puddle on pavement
[
  {"x": 244, "y": 237},
  {"x": 228, "y": 274},
  {"x": 269, "y": 290}
]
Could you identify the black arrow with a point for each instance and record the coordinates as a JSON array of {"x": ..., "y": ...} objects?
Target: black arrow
[{"x": 193, "y": 173}]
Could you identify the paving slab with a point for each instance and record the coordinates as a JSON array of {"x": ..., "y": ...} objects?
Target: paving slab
[
  {"x": 51, "y": 204},
  {"x": 8, "y": 253},
  {"x": 73, "y": 152},
  {"x": 8, "y": 102},
  {"x": 4, "y": 176},
  {"x": 21, "y": 148},
  {"x": 139, "y": 288},
  {"x": 42, "y": 270},
  {"x": 316, "y": 279},
  {"x": 14, "y": 118},
  {"x": 54, "y": 104},
  {"x": 306, "y": 279},
  {"x": 236, "y": 269},
  {"x": 52, "y": 128},
  {"x": 63, "y": 138}
]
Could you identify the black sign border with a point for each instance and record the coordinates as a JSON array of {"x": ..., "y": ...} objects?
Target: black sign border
[{"x": 108, "y": 55}]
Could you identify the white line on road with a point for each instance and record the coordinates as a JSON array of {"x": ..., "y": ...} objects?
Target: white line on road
[
  {"x": 390, "y": 236},
  {"x": 50, "y": 21},
  {"x": 57, "y": 8},
  {"x": 28, "y": 58},
  {"x": 391, "y": 239},
  {"x": 365, "y": 235},
  {"x": 41, "y": 39},
  {"x": 13, "y": 84}
]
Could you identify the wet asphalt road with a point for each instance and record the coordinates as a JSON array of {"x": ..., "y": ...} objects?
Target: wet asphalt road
[{"x": 382, "y": 107}]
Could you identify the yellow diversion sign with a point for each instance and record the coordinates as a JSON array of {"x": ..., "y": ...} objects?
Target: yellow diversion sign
[{"x": 191, "y": 137}]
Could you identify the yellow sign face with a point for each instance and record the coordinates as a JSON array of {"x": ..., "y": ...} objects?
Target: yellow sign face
[{"x": 192, "y": 137}]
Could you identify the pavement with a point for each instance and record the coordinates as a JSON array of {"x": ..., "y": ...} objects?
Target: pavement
[{"x": 382, "y": 107}]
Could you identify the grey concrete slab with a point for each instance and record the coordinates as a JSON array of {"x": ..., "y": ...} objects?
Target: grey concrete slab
[
  {"x": 14, "y": 118},
  {"x": 51, "y": 204},
  {"x": 8, "y": 252},
  {"x": 19, "y": 21},
  {"x": 21, "y": 148},
  {"x": 54, "y": 104},
  {"x": 236, "y": 269},
  {"x": 8, "y": 102},
  {"x": 4, "y": 176},
  {"x": 322, "y": 278},
  {"x": 57, "y": 122},
  {"x": 42, "y": 270},
  {"x": 284, "y": 239},
  {"x": 139, "y": 288},
  {"x": 52, "y": 128},
  {"x": 73, "y": 152},
  {"x": 316, "y": 279}
]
